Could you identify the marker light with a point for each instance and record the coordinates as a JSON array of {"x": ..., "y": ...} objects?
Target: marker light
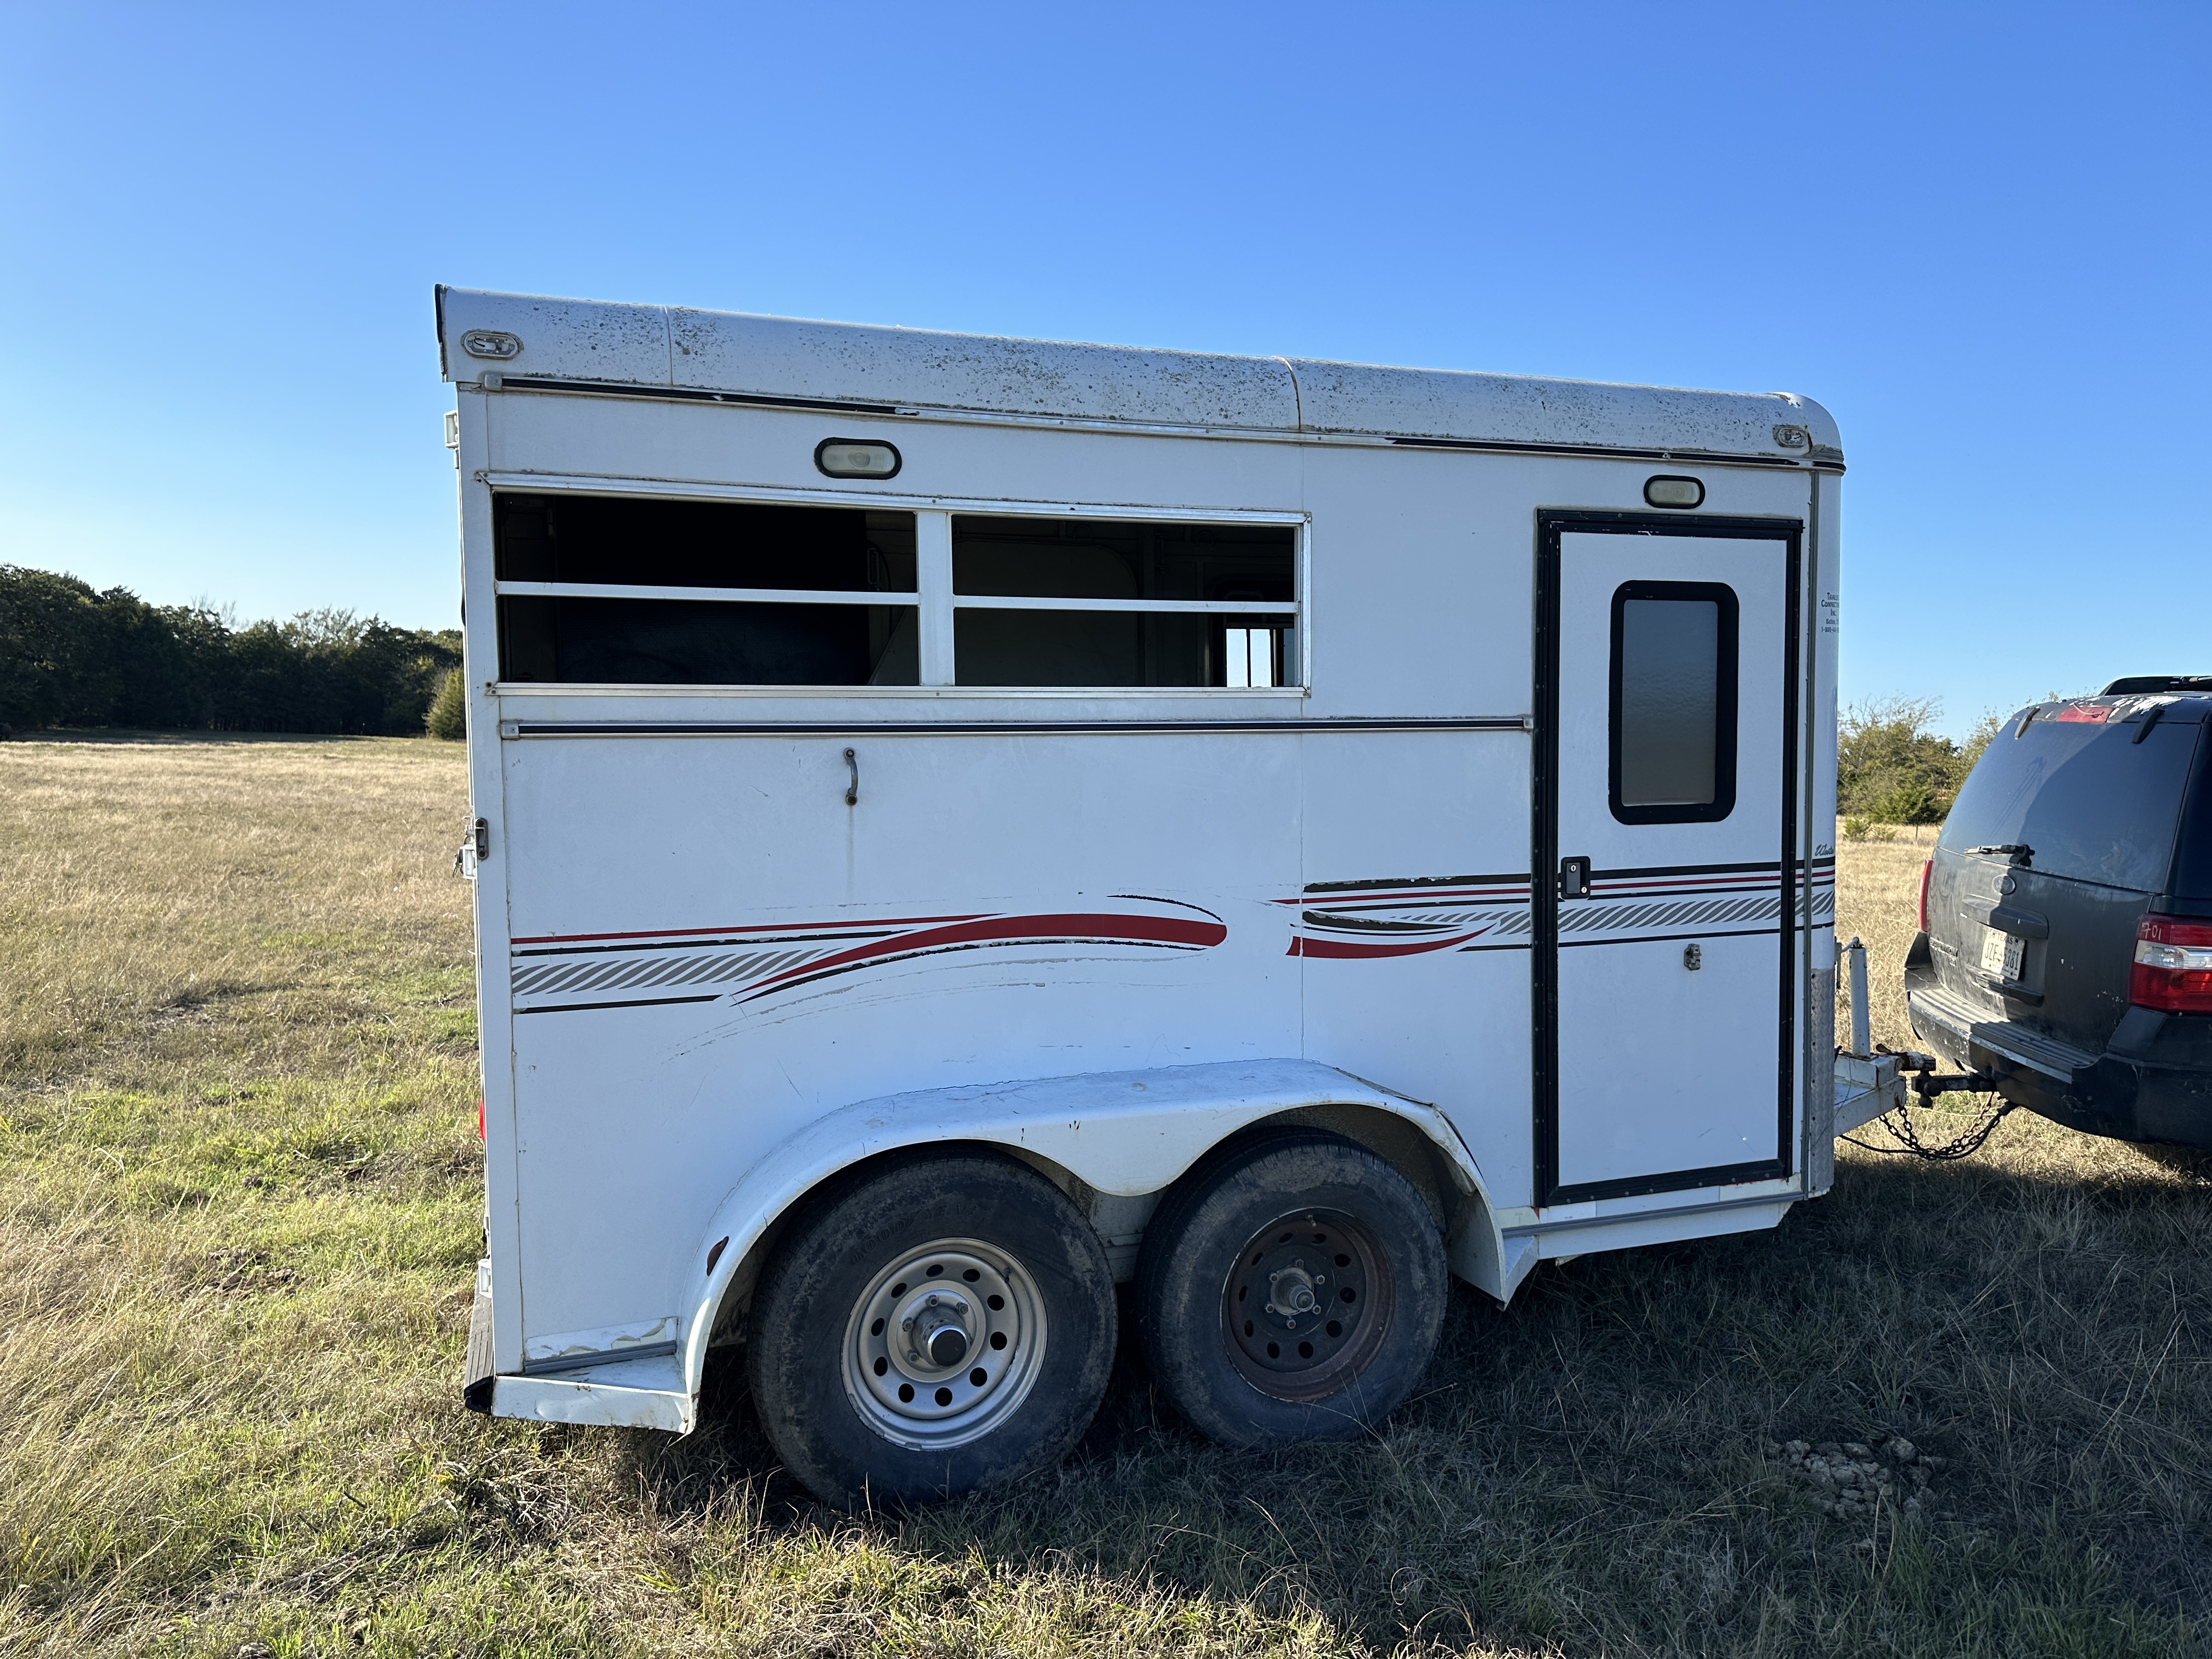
[
  {"x": 1674, "y": 492},
  {"x": 856, "y": 457},
  {"x": 2172, "y": 966}
]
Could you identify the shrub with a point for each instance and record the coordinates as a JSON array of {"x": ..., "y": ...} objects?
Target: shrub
[
  {"x": 449, "y": 710},
  {"x": 1891, "y": 768},
  {"x": 1911, "y": 800}
]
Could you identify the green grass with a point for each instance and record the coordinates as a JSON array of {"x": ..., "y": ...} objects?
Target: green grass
[{"x": 238, "y": 1192}]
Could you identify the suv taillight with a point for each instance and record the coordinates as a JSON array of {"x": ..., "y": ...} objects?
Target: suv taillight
[
  {"x": 2173, "y": 965},
  {"x": 1926, "y": 866}
]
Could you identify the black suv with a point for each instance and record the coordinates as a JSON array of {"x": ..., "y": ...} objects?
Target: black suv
[{"x": 2065, "y": 944}]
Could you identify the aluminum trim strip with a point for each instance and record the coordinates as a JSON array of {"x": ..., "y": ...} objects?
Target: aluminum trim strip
[{"x": 512, "y": 730}]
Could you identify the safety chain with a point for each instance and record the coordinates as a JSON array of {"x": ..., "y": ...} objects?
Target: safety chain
[{"x": 1899, "y": 1126}]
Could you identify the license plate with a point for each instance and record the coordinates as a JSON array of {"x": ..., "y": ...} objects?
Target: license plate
[{"x": 2001, "y": 953}]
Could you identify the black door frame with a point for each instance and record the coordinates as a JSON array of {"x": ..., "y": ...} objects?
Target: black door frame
[{"x": 1544, "y": 853}]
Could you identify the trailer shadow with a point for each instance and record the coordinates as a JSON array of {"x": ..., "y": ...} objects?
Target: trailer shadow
[{"x": 1599, "y": 1465}]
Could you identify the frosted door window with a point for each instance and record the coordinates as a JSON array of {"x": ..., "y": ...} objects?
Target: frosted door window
[{"x": 1673, "y": 702}]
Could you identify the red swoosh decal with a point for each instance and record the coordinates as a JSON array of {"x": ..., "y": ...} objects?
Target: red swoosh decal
[
  {"x": 1338, "y": 947},
  {"x": 1088, "y": 928}
]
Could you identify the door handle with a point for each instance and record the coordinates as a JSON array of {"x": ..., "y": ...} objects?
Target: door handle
[
  {"x": 853, "y": 791},
  {"x": 1574, "y": 879}
]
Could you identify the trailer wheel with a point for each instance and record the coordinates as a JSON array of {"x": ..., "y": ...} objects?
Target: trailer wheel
[
  {"x": 941, "y": 1325},
  {"x": 1291, "y": 1289}
]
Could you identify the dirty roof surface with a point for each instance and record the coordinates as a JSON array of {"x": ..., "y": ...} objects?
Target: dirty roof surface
[{"x": 788, "y": 359}]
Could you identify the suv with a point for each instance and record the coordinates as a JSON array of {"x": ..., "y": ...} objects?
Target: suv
[{"x": 2065, "y": 943}]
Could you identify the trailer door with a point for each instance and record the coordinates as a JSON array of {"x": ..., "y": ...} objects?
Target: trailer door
[{"x": 1666, "y": 699}]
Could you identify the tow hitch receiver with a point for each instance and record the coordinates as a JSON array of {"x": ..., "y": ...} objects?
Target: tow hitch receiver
[{"x": 1928, "y": 1082}]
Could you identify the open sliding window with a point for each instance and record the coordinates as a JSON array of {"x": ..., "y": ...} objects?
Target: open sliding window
[
  {"x": 618, "y": 590},
  {"x": 1123, "y": 603}
]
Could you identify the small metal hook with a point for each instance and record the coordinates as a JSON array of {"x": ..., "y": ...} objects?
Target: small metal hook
[{"x": 853, "y": 794}]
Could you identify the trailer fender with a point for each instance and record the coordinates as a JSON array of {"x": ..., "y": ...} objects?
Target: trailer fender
[{"x": 1121, "y": 1133}]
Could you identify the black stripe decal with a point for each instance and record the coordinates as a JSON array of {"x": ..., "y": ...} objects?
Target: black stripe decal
[
  {"x": 671, "y": 942},
  {"x": 642, "y": 1002},
  {"x": 1770, "y": 867},
  {"x": 1662, "y": 938},
  {"x": 1520, "y": 878}
]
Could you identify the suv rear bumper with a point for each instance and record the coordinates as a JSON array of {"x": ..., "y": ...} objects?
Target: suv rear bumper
[{"x": 2129, "y": 1092}]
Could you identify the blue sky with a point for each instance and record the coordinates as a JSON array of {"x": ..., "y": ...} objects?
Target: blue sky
[{"x": 1976, "y": 234}]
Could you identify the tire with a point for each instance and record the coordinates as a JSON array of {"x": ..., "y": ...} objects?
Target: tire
[
  {"x": 1279, "y": 1234},
  {"x": 1003, "y": 1367}
]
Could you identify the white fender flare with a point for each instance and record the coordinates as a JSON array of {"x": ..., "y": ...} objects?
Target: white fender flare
[{"x": 1120, "y": 1132}]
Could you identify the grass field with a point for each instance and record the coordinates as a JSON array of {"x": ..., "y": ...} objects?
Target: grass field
[{"x": 237, "y": 1214}]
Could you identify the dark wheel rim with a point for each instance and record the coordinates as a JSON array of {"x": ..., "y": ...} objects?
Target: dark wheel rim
[{"x": 1307, "y": 1304}]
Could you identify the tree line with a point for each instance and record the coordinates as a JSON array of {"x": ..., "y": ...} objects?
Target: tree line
[{"x": 71, "y": 655}]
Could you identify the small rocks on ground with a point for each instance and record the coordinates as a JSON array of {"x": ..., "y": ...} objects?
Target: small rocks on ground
[{"x": 1851, "y": 1479}]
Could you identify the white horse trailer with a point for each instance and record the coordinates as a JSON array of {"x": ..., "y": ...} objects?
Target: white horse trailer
[{"x": 961, "y": 822}]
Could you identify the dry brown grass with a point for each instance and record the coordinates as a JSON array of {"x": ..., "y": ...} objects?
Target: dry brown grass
[
  {"x": 238, "y": 1207},
  {"x": 1877, "y": 898}
]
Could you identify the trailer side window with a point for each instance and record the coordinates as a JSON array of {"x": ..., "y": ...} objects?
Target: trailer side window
[
  {"x": 1154, "y": 604},
  {"x": 624, "y": 591},
  {"x": 1671, "y": 725}
]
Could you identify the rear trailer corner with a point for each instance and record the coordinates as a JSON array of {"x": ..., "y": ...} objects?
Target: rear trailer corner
[{"x": 650, "y": 1392}]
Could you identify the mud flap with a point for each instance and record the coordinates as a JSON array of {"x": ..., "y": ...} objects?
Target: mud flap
[{"x": 476, "y": 1375}]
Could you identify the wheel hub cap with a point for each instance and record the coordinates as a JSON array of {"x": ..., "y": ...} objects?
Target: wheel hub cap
[{"x": 944, "y": 1344}]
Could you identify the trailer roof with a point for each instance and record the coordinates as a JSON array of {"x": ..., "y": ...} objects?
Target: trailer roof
[{"x": 723, "y": 355}]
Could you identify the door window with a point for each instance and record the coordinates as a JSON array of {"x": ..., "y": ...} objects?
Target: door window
[{"x": 1672, "y": 716}]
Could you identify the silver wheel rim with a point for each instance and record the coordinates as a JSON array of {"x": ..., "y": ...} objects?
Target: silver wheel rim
[{"x": 944, "y": 1344}]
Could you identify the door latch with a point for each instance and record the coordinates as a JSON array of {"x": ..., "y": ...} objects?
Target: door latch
[
  {"x": 473, "y": 851},
  {"x": 1574, "y": 879}
]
